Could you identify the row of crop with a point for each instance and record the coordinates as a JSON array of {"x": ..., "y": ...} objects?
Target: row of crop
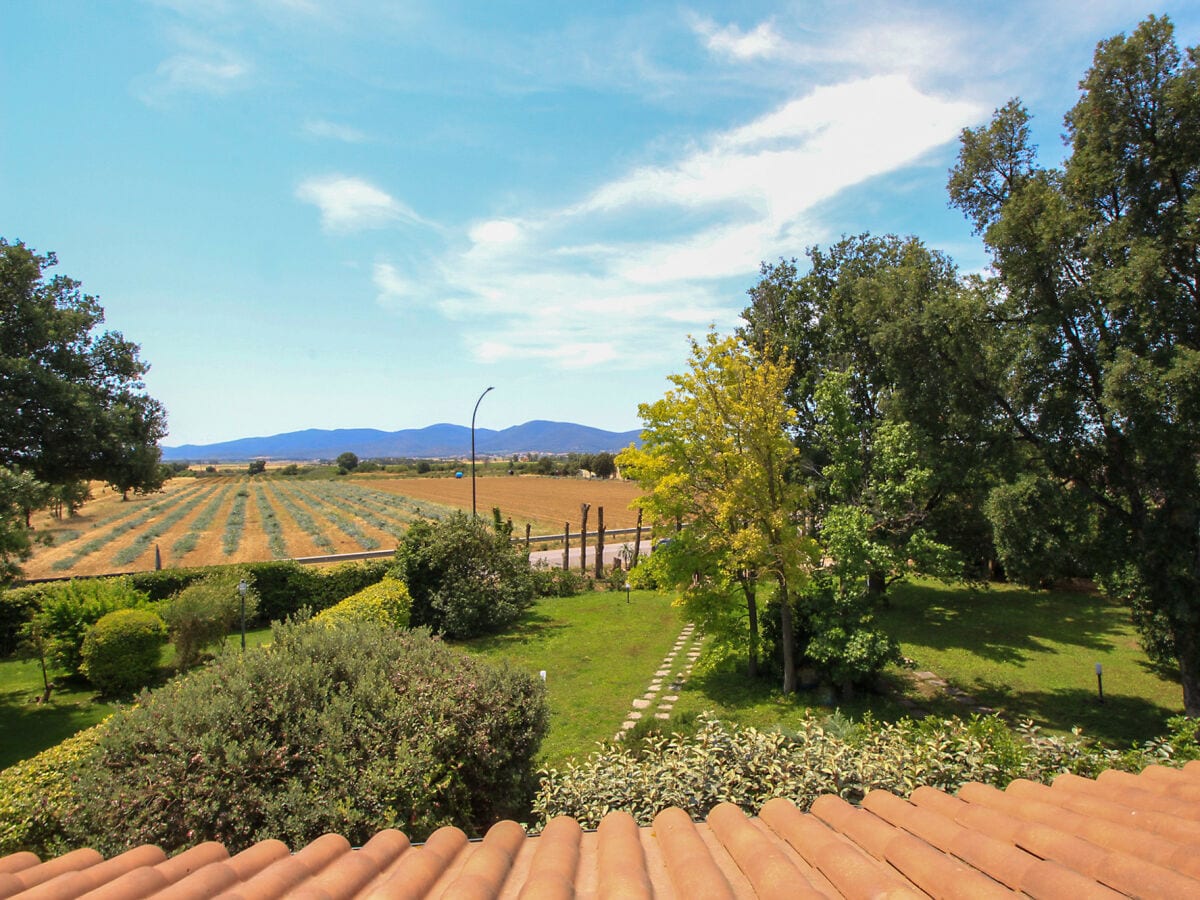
[
  {"x": 347, "y": 518},
  {"x": 187, "y": 543},
  {"x": 303, "y": 518},
  {"x": 270, "y": 524},
  {"x": 400, "y": 510},
  {"x": 124, "y": 523},
  {"x": 160, "y": 526},
  {"x": 235, "y": 523}
]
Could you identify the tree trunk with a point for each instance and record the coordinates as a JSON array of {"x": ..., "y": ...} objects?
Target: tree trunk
[
  {"x": 876, "y": 584},
  {"x": 637, "y": 541},
  {"x": 1188, "y": 643},
  {"x": 787, "y": 637},
  {"x": 749, "y": 589}
]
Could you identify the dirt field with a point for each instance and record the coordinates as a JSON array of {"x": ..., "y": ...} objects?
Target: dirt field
[
  {"x": 114, "y": 536},
  {"x": 546, "y": 503}
]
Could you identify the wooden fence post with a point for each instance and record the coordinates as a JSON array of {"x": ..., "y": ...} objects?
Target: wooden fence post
[
  {"x": 566, "y": 546},
  {"x": 528, "y": 527},
  {"x": 599, "y": 542},
  {"x": 583, "y": 511},
  {"x": 637, "y": 539}
]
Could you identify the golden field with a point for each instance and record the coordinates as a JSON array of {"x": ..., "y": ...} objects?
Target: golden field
[{"x": 231, "y": 518}]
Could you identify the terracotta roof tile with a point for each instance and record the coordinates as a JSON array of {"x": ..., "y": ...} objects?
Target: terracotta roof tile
[{"x": 1135, "y": 835}]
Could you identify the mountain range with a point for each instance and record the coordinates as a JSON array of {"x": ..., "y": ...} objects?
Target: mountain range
[{"x": 432, "y": 442}]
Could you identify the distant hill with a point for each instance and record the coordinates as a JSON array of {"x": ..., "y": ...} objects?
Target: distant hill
[{"x": 432, "y": 442}]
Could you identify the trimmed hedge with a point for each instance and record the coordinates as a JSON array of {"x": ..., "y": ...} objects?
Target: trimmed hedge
[
  {"x": 121, "y": 651},
  {"x": 284, "y": 588},
  {"x": 745, "y": 766},
  {"x": 71, "y": 608},
  {"x": 349, "y": 729},
  {"x": 36, "y": 795},
  {"x": 387, "y": 603}
]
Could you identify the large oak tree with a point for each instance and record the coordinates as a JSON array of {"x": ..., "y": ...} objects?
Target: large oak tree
[
  {"x": 73, "y": 404},
  {"x": 1096, "y": 304}
]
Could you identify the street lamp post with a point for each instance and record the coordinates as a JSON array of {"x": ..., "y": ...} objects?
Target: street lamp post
[{"x": 475, "y": 410}]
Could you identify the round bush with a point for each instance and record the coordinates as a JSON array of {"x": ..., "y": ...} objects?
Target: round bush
[
  {"x": 120, "y": 652},
  {"x": 387, "y": 603},
  {"x": 349, "y": 729}
]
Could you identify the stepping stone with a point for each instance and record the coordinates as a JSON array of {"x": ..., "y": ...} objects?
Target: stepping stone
[
  {"x": 663, "y": 716},
  {"x": 640, "y": 704},
  {"x": 663, "y": 673},
  {"x": 650, "y": 695},
  {"x": 924, "y": 676},
  {"x": 671, "y": 697},
  {"x": 665, "y": 705},
  {"x": 627, "y": 724},
  {"x": 655, "y": 684},
  {"x": 635, "y": 715}
]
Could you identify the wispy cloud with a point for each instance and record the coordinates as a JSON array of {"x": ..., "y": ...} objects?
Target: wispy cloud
[
  {"x": 350, "y": 204},
  {"x": 201, "y": 66},
  {"x": 762, "y": 42},
  {"x": 322, "y": 128},
  {"x": 559, "y": 288}
]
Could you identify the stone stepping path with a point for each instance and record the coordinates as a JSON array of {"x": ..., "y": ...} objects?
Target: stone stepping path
[
  {"x": 929, "y": 684},
  {"x": 672, "y": 674}
]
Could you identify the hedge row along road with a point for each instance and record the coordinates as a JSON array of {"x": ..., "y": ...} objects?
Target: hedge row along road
[{"x": 238, "y": 518}]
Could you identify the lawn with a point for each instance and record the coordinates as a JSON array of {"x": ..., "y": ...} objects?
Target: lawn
[
  {"x": 598, "y": 652},
  {"x": 1027, "y": 654},
  {"x": 1033, "y": 654}
]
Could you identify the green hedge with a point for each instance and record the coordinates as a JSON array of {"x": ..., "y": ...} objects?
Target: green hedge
[
  {"x": 283, "y": 587},
  {"x": 387, "y": 603}
]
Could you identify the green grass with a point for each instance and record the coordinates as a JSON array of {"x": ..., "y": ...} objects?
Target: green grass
[
  {"x": 1032, "y": 654},
  {"x": 599, "y": 654}
]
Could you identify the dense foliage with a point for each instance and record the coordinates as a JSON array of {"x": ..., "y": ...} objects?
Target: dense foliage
[
  {"x": 387, "y": 604},
  {"x": 121, "y": 651},
  {"x": 73, "y": 406},
  {"x": 465, "y": 578},
  {"x": 68, "y": 610},
  {"x": 204, "y": 612},
  {"x": 348, "y": 729},
  {"x": 1094, "y": 308},
  {"x": 721, "y": 763},
  {"x": 37, "y": 795}
]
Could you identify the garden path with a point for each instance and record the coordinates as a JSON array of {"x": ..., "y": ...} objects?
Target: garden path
[{"x": 673, "y": 673}]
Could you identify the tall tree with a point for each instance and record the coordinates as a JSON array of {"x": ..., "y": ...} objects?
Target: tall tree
[
  {"x": 890, "y": 321},
  {"x": 72, "y": 404},
  {"x": 715, "y": 454},
  {"x": 1097, "y": 302}
]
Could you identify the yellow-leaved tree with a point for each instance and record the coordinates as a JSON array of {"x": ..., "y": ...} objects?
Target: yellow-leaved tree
[{"x": 716, "y": 453}]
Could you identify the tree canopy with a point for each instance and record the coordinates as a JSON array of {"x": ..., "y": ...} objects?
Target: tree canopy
[
  {"x": 73, "y": 405},
  {"x": 1095, "y": 305}
]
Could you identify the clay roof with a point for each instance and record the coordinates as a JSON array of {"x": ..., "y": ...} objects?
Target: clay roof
[{"x": 1120, "y": 834}]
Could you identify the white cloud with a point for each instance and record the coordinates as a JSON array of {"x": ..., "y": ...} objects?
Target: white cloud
[
  {"x": 321, "y": 128},
  {"x": 348, "y": 204},
  {"x": 618, "y": 278},
  {"x": 763, "y": 42}
]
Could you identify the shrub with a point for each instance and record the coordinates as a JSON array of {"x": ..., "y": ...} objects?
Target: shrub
[
  {"x": 17, "y": 607},
  {"x": 120, "y": 652},
  {"x": 349, "y": 729},
  {"x": 71, "y": 608},
  {"x": 204, "y": 612},
  {"x": 552, "y": 581},
  {"x": 465, "y": 579},
  {"x": 747, "y": 767},
  {"x": 36, "y": 795},
  {"x": 386, "y": 603}
]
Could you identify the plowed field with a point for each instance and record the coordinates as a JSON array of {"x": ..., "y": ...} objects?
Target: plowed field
[{"x": 234, "y": 518}]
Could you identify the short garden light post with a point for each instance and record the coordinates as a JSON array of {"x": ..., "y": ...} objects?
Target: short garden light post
[
  {"x": 628, "y": 588},
  {"x": 1100, "y": 681},
  {"x": 242, "y": 588},
  {"x": 475, "y": 410}
]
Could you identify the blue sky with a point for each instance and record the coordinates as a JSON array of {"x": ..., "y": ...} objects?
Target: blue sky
[{"x": 320, "y": 214}]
